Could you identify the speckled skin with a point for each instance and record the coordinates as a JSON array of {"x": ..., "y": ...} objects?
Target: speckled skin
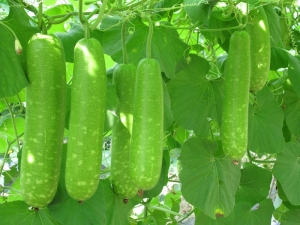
[
  {"x": 44, "y": 124},
  {"x": 124, "y": 79},
  {"x": 88, "y": 108},
  {"x": 234, "y": 132},
  {"x": 260, "y": 49},
  {"x": 147, "y": 132}
]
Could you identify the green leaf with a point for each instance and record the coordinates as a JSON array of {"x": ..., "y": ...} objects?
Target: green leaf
[
  {"x": 160, "y": 217},
  {"x": 17, "y": 212},
  {"x": 70, "y": 39},
  {"x": 15, "y": 191},
  {"x": 209, "y": 181},
  {"x": 259, "y": 214},
  {"x": 274, "y": 26},
  {"x": 279, "y": 58},
  {"x": 287, "y": 171},
  {"x": 168, "y": 115},
  {"x": 292, "y": 109},
  {"x": 194, "y": 98},
  {"x": 202, "y": 219},
  {"x": 7, "y": 132},
  {"x": 68, "y": 211},
  {"x": 10, "y": 175},
  {"x": 167, "y": 48},
  {"x": 197, "y": 10},
  {"x": 254, "y": 185},
  {"x": 117, "y": 211},
  {"x": 163, "y": 179},
  {"x": 293, "y": 72},
  {"x": 12, "y": 78},
  {"x": 291, "y": 217},
  {"x": 265, "y": 124}
]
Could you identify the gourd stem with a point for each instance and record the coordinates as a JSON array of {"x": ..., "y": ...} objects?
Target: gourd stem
[
  {"x": 123, "y": 37},
  {"x": 149, "y": 38},
  {"x": 40, "y": 15},
  {"x": 83, "y": 20}
]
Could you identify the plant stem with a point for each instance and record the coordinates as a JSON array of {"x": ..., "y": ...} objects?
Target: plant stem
[
  {"x": 263, "y": 161},
  {"x": 13, "y": 122},
  {"x": 163, "y": 210},
  {"x": 4, "y": 157},
  {"x": 149, "y": 38},
  {"x": 186, "y": 216},
  {"x": 40, "y": 15},
  {"x": 249, "y": 156},
  {"x": 123, "y": 38},
  {"x": 100, "y": 15}
]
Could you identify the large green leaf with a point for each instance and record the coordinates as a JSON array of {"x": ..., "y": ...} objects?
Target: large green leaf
[
  {"x": 287, "y": 171},
  {"x": 117, "y": 210},
  {"x": 167, "y": 48},
  {"x": 291, "y": 217},
  {"x": 12, "y": 78},
  {"x": 254, "y": 185},
  {"x": 68, "y": 211},
  {"x": 17, "y": 212},
  {"x": 259, "y": 214},
  {"x": 209, "y": 180},
  {"x": 194, "y": 98},
  {"x": 265, "y": 124}
]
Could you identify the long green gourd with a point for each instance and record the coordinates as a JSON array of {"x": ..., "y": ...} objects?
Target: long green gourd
[
  {"x": 124, "y": 79},
  {"x": 234, "y": 132},
  {"x": 87, "y": 117},
  {"x": 260, "y": 48},
  {"x": 147, "y": 132},
  {"x": 45, "y": 120}
]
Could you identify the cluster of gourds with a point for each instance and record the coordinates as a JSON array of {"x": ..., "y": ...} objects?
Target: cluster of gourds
[
  {"x": 247, "y": 69},
  {"x": 137, "y": 138}
]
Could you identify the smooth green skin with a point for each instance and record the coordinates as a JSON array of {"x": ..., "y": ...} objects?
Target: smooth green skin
[
  {"x": 260, "y": 49},
  {"x": 124, "y": 76},
  {"x": 124, "y": 79},
  {"x": 236, "y": 97},
  {"x": 44, "y": 123},
  {"x": 147, "y": 131},
  {"x": 88, "y": 107}
]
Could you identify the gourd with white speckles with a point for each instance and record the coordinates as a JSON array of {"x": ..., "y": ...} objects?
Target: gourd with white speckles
[
  {"x": 45, "y": 119},
  {"x": 146, "y": 148},
  {"x": 87, "y": 116},
  {"x": 260, "y": 48},
  {"x": 234, "y": 132},
  {"x": 124, "y": 79}
]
